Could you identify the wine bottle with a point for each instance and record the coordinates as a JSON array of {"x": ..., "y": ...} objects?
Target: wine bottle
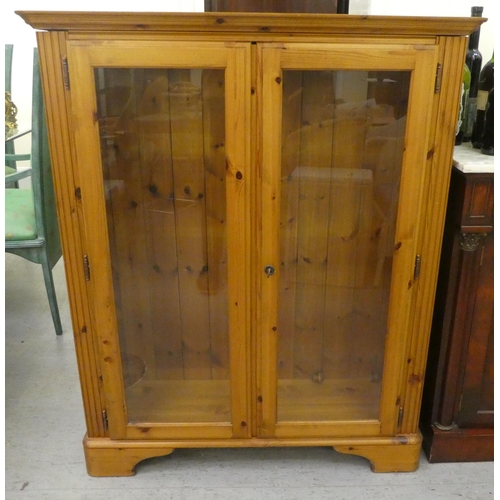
[
  {"x": 463, "y": 106},
  {"x": 485, "y": 85},
  {"x": 473, "y": 59},
  {"x": 487, "y": 140}
]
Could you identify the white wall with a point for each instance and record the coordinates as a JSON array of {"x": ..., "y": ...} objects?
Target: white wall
[
  {"x": 23, "y": 36},
  {"x": 17, "y": 32},
  {"x": 446, "y": 8}
]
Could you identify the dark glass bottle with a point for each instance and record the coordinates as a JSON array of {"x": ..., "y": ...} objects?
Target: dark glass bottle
[
  {"x": 459, "y": 137},
  {"x": 487, "y": 147},
  {"x": 485, "y": 85},
  {"x": 474, "y": 60}
]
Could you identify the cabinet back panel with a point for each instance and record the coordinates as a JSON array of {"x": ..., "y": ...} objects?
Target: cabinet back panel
[
  {"x": 342, "y": 149},
  {"x": 163, "y": 148}
]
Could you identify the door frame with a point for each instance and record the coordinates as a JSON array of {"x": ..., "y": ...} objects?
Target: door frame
[
  {"x": 83, "y": 57},
  {"x": 421, "y": 60}
]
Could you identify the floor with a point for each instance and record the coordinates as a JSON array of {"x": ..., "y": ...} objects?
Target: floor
[{"x": 44, "y": 427}]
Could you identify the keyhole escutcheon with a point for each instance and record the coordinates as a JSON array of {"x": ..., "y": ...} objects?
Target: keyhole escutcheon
[{"x": 269, "y": 270}]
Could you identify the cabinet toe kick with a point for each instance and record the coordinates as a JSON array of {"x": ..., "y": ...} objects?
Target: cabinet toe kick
[
  {"x": 397, "y": 454},
  {"x": 105, "y": 458}
]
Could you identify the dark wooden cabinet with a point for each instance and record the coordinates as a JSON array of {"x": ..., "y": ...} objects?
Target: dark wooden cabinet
[
  {"x": 457, "y": 410},
  {"x": 299, "y": 6}
]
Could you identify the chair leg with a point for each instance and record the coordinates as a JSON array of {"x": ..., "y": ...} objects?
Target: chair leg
[{"x": 51, "y": 294}]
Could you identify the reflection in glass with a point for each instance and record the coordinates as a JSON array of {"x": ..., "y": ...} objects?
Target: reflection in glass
[
  {"x": 343, "y": 139},
  {"x": 163, "y": 157}
]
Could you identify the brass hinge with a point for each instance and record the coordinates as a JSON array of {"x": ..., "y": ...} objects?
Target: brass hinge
[
  {"x": 105, "y": 419},
  {"x": 86, "y": 267},
  {"x": 65, "y": 70},
  {"x": 416, "y": 271},
  {"x": 401, "y": 413},
  {"x": 437, "y": 84}
]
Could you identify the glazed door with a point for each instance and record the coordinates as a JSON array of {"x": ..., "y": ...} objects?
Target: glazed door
[
  {"x": 162, "y": 152},
  {"x": 344, "y": 159}
]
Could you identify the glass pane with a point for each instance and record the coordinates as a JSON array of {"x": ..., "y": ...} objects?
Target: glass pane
[
  {"x": 343, "y": 138},
  {"x": 162, "y": 137}
]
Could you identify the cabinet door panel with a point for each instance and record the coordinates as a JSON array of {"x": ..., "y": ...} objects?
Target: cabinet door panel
[
  {"x": 477, "y": 398},
  {"x": 342, "y": 247},
  {"x": 162, "y": 138}
]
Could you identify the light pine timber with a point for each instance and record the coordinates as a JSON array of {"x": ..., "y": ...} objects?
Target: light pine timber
[
  {"x": 190, "y": 222},
  {"x": 439, "y": 167},
  {"x": 58, "y": 104},
  {"x": 159, "y": 212},
  {"x": 103, "y": 459},
  {"x": 312, "y": 226},
  {"x": 289, "y": 195},
  {"x": 238, "y": 191},
  {"x": 213, "y": 88},
  {"x": 235, "y": 22},
  {"x": 127, "y": 232},
  {"x": 271, "y": 92},
  {"x": 417, "y": 44}
]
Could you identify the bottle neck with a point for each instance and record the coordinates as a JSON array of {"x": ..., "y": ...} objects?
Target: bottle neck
[
  {"x": 476, "y": 11},
  {"x": 474, "y": 40}
]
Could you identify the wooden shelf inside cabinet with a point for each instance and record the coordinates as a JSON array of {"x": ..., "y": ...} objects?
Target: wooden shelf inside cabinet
[
  {"x": 257, "y": 200},
  {"x": 457, "y": 409}
]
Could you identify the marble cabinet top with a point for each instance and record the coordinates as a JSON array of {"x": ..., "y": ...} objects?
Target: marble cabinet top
[{"x": 469, "y": 160}]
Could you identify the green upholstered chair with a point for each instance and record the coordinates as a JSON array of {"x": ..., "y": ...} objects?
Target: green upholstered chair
[{"x": 31, "y": 227}]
